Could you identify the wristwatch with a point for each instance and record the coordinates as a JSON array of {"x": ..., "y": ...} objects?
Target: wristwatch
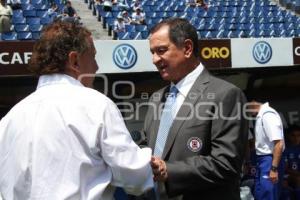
[{"x": 274, "y": 168}]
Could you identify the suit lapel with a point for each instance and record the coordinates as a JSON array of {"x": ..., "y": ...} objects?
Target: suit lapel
[{"x": 197, "y": 91}]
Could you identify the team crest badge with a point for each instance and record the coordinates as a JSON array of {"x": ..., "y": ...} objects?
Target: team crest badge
[{"x": 194, "y": 144}]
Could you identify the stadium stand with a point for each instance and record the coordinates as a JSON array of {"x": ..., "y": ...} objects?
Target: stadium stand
[
  {"x": 222, "y": 19},
  {"x": 28, "y": 21}
]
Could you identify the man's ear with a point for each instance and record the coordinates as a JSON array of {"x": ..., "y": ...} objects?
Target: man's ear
[
  {"x": 188, "y": 48},
  {"x": 73, "y": 61}
]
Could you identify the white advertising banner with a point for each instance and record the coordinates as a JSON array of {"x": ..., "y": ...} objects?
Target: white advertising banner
[
  {"x": 261, "y": 52},
  {"x": 123, "y": 56}
]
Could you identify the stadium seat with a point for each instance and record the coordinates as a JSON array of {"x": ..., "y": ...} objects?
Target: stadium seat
[
  {"x": 130, "y": 28},
  {"x": 18, "y": 20},
  {"x": 21, "y": 28},
  {"x": 145, "y": 34},
  {"x": 136, "y": 35},
  {"x": 45, "y": 20},
  {"x": 37, "y": 2},
  {"x": 40, "y": 7},
  {"x": 27, "y": 6},
  {"x": 36, "y": 35},
  {"x": 125, "y": 36},
  {"x": 33, "y": 20},
  {"x": 141, "y": 28},
  {"x": 24, "y": 36},
  {"x": 18, "y": 13},
  {"x": 35, "y": 27},
  {"x": 9, "y": 36},
  {"x": 25, "y": 1},
  {"x": 41, "y": 13},
  {"x": 29, "y": 13}
]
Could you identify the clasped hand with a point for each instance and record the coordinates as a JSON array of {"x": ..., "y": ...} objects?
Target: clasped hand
[{"x": 159, "y": 169}]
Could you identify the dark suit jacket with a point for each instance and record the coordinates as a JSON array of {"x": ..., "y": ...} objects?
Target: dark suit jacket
[{"x": 211, "y": 168}]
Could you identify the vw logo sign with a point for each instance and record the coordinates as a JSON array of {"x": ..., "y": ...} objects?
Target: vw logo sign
[
  {"x": 262, "y": 52},
  {"x": 125, "y": 56}
]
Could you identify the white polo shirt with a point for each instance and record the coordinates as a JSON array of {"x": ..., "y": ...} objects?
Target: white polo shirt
[
  {"x": 66, "y": 141},
  {"x": 268, "y": 127}
]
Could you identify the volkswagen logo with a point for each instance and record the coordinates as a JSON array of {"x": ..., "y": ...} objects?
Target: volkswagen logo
[
  {"x": 262, "y": 52},
  {"x": 125, "y": 56}
]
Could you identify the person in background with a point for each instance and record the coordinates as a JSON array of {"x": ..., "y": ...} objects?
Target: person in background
[
  {"x": 69, "y": 13},
  {"x": 135, "y": 4},
  {"x": 107, "y": 5},
  {"x": 53, "y": 11},
  {"x": 67, "y": 140},
  {"x": 14, "y": 4},
  {"x": 198, "y": 152},
  {"x": 123, "y": 5},
  {"x": 269, "y": 145},
  {"x": 138, "y": 17},
  {"x": 191, "y": 3},
  {"x": 249, "y": 167},
  {"x": 5, "y": 17},
  {"x": 126, "y": 17},
  {"x": 202, "y": 4},
  {"x": 119, "y": 26},
  {"x": 292, "y": 161}
]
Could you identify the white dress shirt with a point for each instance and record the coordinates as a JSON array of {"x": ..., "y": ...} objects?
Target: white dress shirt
[
  {"x": 66, "y": 141},
  {"x": 185, "y": 85},
  {"x": 268, "y": 127}
]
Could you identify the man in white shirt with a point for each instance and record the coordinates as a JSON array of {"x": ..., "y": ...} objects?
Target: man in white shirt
[
  {"x": 66, "y": 140},
  {"x": 269, "y": 145},
  {"x": 119, "y": 26},
  {"x": 5, "y": 17},
  {"x": 138, "y": 17}
]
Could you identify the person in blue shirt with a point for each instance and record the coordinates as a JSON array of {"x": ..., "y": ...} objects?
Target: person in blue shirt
[{"x": 292, "y": 161}]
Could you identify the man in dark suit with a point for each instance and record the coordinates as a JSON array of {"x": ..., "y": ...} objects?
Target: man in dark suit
[{"x": 198, "y": 132}]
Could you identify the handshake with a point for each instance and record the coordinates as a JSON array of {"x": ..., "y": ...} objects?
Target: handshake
[{"x": 159, "y": 169}]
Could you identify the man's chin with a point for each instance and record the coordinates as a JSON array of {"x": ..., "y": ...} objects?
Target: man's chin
[{"x": 165, "y": 76}]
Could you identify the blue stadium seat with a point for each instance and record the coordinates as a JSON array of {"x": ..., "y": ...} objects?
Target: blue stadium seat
[
  {"x": 18, "y": 13},
  {"x": 45, "y": 20},
  {"x": 21, "y": 28},
  {"x": 136, "y": 35},
  {"x": 25, "y": 1},
  {"x": 35, "y": 27},
  {"x": 130, "y": 28},
  {"x": 208, "y": 34},
  {"x": 36, "y": 35},
  {"x": 18, "y": 20},
  {"x": 27, "y": 6},
  {"x": 33, "y": 20},
  {"x": 40, "y": 7},
  {"x": 29, "y": 13},
  {"x": 37, "y": 2},
  {"x": 220, "y": 34},
  {"x": 141, "y": 28},
  {"x": 24, "y": 36},
  {"x": 145, "y": 34},
  {"x": 42, "y": 13},
  {"x": 9, "y": 36},
  {"x": 125, "y": 36},
  {"x": 172, "y": 14}
]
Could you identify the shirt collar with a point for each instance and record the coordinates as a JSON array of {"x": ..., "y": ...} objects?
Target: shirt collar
[
  {"x": 53, "y": 79},
  {"x": 262, "y": 109},
  {"x": 185, "y": 84}
]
